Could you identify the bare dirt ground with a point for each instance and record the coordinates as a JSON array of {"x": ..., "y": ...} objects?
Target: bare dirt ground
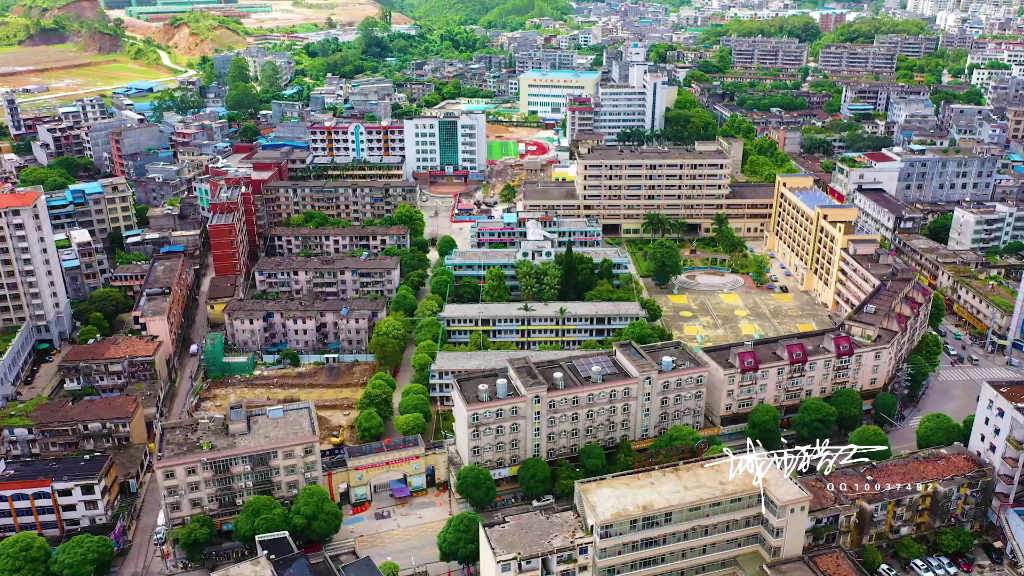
[
  {"x": 499, "y": 132},
  {"x": 333, "y": 390}
]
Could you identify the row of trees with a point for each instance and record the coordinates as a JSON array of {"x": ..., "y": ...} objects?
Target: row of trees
[
  {"x": 29, "y": 554},
  {"x": 948, "y": 541},
  {"x": 376, "y": 405}
]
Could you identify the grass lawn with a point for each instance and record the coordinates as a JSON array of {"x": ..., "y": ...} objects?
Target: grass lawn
[
  {"x": 637, "y": 248},
  {"x": 91, "y": 71},
  {"x": 444, "y": 421}
]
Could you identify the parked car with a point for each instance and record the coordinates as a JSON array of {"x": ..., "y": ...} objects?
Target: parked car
[
  {"x": 963, "y": 562},
  {"x": 773, "y": 277},
  {"x": 947, "y": 565},
  {"x": 784, "y": 288},
  {"x": 920, "y": 568},
  {"x": 994, "y": 554},
  {"x": 886, "y": 570},
  {"x": 938, "y": 567},
  {"x": 941, "y": 331},
  {"x": 544, "y": 501}
]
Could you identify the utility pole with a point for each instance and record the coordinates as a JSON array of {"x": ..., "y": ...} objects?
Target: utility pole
[{"x": 991, "y": 325}]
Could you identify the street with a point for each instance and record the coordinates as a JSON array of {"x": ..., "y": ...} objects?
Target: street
[
  {"x": 197, "y": 334},
  {"x": 407, "y": 547}
]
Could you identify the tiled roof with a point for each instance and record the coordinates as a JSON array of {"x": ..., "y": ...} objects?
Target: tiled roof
[
  {"x": 112, "y": 348},
  {"x": 879, "y": 157},
  {"x": 912, "y": 470},
  {"x": 90, "y": 410},
  {"x": 835, "y": 564},
  {"x": 18, "y": 199},
  {"x": 821, "y": 496}
]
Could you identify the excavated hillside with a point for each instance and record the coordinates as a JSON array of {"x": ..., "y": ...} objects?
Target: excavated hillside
[
  {"x": 183, "y": 41},
  {"x": 84, "y": 9}
]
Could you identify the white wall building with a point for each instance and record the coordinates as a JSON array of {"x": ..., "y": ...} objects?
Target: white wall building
[
  {"x": 998, "y": 436},
  {"x": 543, "y": 92},
  {"x": 985, "y": 226},
  {"x": 447, "y": 141}
]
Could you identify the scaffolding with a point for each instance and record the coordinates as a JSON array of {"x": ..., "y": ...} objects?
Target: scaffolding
[{"x": 218, "y": 365}]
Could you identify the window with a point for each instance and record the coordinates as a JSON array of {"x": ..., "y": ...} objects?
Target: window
[
  {"x": 191, "y": 471},
  {"x": 168, "y": 474},
  {"x": 536, "y": 400},
  {"x": 551, "y": 404}
]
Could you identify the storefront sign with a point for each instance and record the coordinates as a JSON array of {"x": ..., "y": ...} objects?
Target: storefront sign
[
  {"x": 388, "y": 463},
  {"x": 963, "y": 313},
  {"x": 500, "y": 473},
  {"x": 708, "y": 432}
]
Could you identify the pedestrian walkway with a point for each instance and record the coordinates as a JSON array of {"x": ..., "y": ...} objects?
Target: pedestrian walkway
[
  {"x": 913, "y": 422},
  {"x": 977, "y": 373}
]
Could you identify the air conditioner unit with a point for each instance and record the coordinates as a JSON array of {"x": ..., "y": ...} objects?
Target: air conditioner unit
[
  {"x": 238, "y": 502},
  {"x": 203, "y": 460},
  {"x": 248, "y": 468},
  {"x": 308, "y": 475},
  {"x": 293, "y": 491}
]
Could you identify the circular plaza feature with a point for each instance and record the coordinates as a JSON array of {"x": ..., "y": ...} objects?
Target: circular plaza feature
[{"x": 709, "y": 280}]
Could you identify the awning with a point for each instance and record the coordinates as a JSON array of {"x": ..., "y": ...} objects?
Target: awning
[{"x": 399, "y": 489}]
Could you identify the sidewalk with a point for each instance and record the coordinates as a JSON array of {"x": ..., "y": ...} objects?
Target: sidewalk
[{"x": 430, "y": 508}]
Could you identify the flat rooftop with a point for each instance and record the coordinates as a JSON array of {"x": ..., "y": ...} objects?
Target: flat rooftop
[
  {"x": 534, "y": 191},
  {"x": 164, "y": 271},
  {"x": 343, "y": 305},
  {"x": 266, "y": 426},
  {"x": 113, "y": 348},
  {"x": 561, "y": 74},
  {"x": 1011, "y": 390},
  {"x": 887, "y": 202},
  {"x": 473, "y": 255},
  {"x": 770, "y": 350},
  {"x": 338, "y": 231},
  {"x": 541, "y": 309},
  {"x": 813, "y": 198},
  {"x": 72, "y": 469},
  {"x": 494, "y": 359},
  {"x": 533, "y": 534},
  {"x": 695, "y": 483},
  {"x": 668, "y": 154},
  {"x": 751, "y": 191},
  {"x": 291, "y": 263}
]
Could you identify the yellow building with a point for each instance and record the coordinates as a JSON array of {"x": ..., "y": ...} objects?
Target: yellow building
[
  {"x": 222, "y": 290},
  {"x": 807, "y": 232}
]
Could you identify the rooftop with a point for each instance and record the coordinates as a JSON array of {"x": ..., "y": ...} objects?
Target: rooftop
[
  {"x": 670, "y": 153},
  {"x": 887, "y": 202},
  {"x": 24, "y": 198},
  {"x": 751, "y": 191},
  {"x": 191, "y": 438},
  {"x": 72, "y": 469},
  {"x": 512, "y": 254},
  {"x": 541, "y": 309},
  {"x": 115, "y": 347},
  {"x": 925, "y": 466},
  {"x": 164, "y": 271},
  {"x": 306, "y": 305},
  {"x": 561, "y": 74},
  {"x": 1011, "y": 390},
  {"x": 819, "y": 343},
  {"x": 813, "y": 198},
  {"x": 63, "y": 411},
  {"x": 339, "y": 184},
  {"x": 533, "y": 534},
  {"x": 290, "y": 263},
  {"x": 338, "y": 231},
  {"x": 469, "y": 361},
  {"x": 544, "y": 190},
  {"x": 222, "y": 287},
  {"x": 621, "y": 496},
  {"x": 821, "y": 496}
]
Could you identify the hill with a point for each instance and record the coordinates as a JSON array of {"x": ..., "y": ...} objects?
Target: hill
[
  {"x": 197, "y": 34},
  {"x": 49, "y": 9}
]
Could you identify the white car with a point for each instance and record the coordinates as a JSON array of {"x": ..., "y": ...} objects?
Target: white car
[
  {"x": 886, "y": 570},
  {"x": 544, "y": 501},
  {"x": 773, "y": 277},
  {"x": 920, "y": 568}
]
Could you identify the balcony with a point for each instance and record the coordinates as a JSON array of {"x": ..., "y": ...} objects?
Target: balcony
[
  {"x": 1011, "y": 462},
  {"x": 1005, "y": 479},
  {"x": 1014, "y": 443}
]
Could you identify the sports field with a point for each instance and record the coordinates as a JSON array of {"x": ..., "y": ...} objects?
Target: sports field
[{"x": 498, "y": 149}]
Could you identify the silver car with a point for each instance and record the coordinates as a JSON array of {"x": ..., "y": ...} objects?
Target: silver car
[
  {"x": 886, "y": 570},
  {"x": 937, "y": 566},
  {"x": 920, "y": 568}
]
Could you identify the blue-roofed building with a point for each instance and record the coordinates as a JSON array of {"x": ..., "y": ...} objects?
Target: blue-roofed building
[
  {"x": 83, "y": 263},
  {"x": 100, "y": 207},
  {"x": 146, "y": 86}
]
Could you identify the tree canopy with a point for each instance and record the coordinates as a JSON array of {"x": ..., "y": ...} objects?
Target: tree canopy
[
  {"x": 763, "y": 426},
  {"x": 260, "y": 515},
  {"x": 24, "y": 554},
  {"x": 476, "y": 485},
  {"x": 872, "y": 436},
  {"x": 814, "y": 420},
  {"x": 459, "y": 540},
  {"x": 83, "y": 555},
  {"x": 314, "y": 516},
  {"x": 937, "y": 429},
  {"x": 535, "y": 477}
]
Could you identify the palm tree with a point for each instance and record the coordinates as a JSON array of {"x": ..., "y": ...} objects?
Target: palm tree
[
  {"x": 562, "y": 312},
  {"x": 719, "y": 221},
  {"x": 652, "y": 223},
  {"x": 526, "y": 307}
]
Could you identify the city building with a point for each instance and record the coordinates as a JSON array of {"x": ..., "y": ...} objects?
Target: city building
[
  {"x": 831, "y": 517},
  {"x": 985, "y": 226},
  {"x": 713, "y": 520},
  {"x": 15, "y": 359},
  {"x": 918, "y": 174},
  {"x": 998, "y": 438},
  {"x": 222, "y": 290},
  {"x": 328, "y": 276},
  {"x": 97, "y": 139},
  {"x": 878, "y": 96},
  {"x": 213, "y": 466},
  {"x": 550, "y": 409},
  {"x": 12, "y": 116},
  {"x": 129, "y": 142},
  {"x": 536, "y": 541},
  {"x": 56, "y": 139},
  {"x": 33, "y": 290},
  {"x": 335, "y": 240},
  {"x": 83, "y": 262},
  {"x": 548, "y": 60},
  {"x": 911, "y": 46},
  {"x": 101, "y": 207},
  {"x": 352, "y": 201},
  {"x": 167, "y": 294},
  {"x": 543, "y": 92},
  {"x": 638, "y": 102},
  {"x": 162, "y": 182},
  {"x": 382, "y": 143},
  {"x": 881, "y": 214},
  {"x": 56, "y": 494},
  {"x": 229, "y": 247},
  {"x": 157, "y": 242},
  {"x": 130, "y": 278},
  {"x": 846, "y": 60},
  {"x": 784, "y": 53},
  {"x": 566, "y": 324},
  {"x": 333, "y": 325},
  {"x": 686, "y": 183},
  {"x": 57, "y": 426},
  {"x": 450, "y": 364},
  {"x": 115, "y": 365},
  {"x": 517, "y": 226},
  {"x": 446, "y": 147},
  {"x": 808, "y": 231}
]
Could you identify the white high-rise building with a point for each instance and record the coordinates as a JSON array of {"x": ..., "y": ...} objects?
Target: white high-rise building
[
  {"x": 32, "y": 289},
  {"x": 641, "y": 103},
  {"x": 450, "y": 142}
]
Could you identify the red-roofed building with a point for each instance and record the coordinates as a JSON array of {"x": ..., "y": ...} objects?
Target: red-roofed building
[
  {"x": 115, "y": 365},
  {"x": 59, "y": 426},
  {"x": 880, "y": 157}
]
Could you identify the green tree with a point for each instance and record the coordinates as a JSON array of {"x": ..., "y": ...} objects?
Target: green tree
[
  {"x": 688, "y": 126},
  {"x": 24, "y": 554},
  {"x": 738, "y": 127},
  {"x": 415, "y": 390},
  {"x": 377, "y": 397},
  {"x": 675, "y": 437},
  {"x": 290, "y": 356},
  {"x": 884, "y": 407},
  {"x": 248, "y": 132},
  {"x": 429, "y": 330},
  {"x": 476, "y": 485},
  {"x": 270, "y": 79},
  {"x": 83, "y": 555},
  {"x": 624, "y": 456},
  {"x": 907, "y": 549},
  {"x": 442, "y": 283},
  {"x": 196, "y": 536},
  {"x": 686, "y": 101},
  {"x": 593, "y": 460},
  {"x": 410, "y": 216},
  {"x": 404, "y": 301},
  {"x": 814, "y": 420},
  {"x": 242, "y": 98},
  {"x": 665, "y": 260},
  {"x": 938, "y": 229},
  {"x": 459, "y": 540},
  {"x": 446, "y": 245},
  {"x": 421, "y": 363},
  {"x": 938, "y": 310},
  {"x": 763, "y": 426},
  {"x": 535, "y": 477},
  {"x": 849, "y": 409},
  {"x": 508, "y": 193},
  {"x": 238, "y": 72},
  {"x": 415, "y": 280},
  {"x": 385, "y": 379},
  {"x": 411, "y": 424},
  {"x": 87, "y": 333},
  {"x": 566, "y": 476},
  {"x": 260, "y": 515},
  {"x": 100, "y": 322},
  {"x": 968, "y": 428},
  {"x": 314, "y": 516},
  {"x": 937, "y": 430},
  {"x": 1012, "y": 247},
  {"x": 389, "y": 340},
  {"x": 872, "y": 559},
  {"x": 369, "y": 425},
  {"x": 953, "y": 540},
  {"x": 388, "y": 568},
  {"x": 141, "y": 216},
  {"x": 567, "y": 290},
  {"x": 415, "y": 404},
  {"x": 870, "y": 435},
  {"x": 209, "y": 74},
  {"x": 496, "y": 289}
]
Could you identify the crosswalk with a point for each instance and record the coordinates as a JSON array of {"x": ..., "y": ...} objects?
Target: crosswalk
[
  {"x": 913, "y": 422},
  {"x": 966, "y": 373}
]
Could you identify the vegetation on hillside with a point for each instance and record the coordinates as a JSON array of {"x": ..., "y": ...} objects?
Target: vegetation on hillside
[{"x": 506, "y": 15}]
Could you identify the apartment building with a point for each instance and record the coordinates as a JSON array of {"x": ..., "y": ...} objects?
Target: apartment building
[
  {"x": 550, "y": 409},
  {"x": 637, "y": 102},
  {"x": 101, "y": 207},
  {"x": 619, "y": 186},
  {"x": 450, "y": 364},
  {"x": 536, "y": 541},
  {"x": 909, "y": 45},
  {"x": 881, "y": 214},
  {"x": 858, "y": 60},
  {"x": 784, "y": 53},
  {"x": 115, "y": 365},
  {"x": 1015, "y": 122},
  {"x": 56, "y": 139},
  {"x": 57, "y": 426},
  {"x": 985, "y": 225},
  {"x": 130, "y": 278},
  {"x": 941, "y": 488},
  {"x": 711, "y": 521},
  {"x": 998, "y": 437},
  {"x": 567, "y": 324},
  {"x": 229, "y": 247},
  {"x": 83, "y": 263},
  {"x": 334, "y": 325},
  {"x": 1008, "y": 54},
  {"x": 543, "y": 92},
  {"x": 518, "y": 226},
  {"x": 352, "y": 201},
  {"x": 956, "y": 41},
  {"x": 33, "y": 290},
  {"x": 473, "y": 263},
  {"x": 915, "y": 175},
  {"x": 358, "y": 142},
  {"x": 335, "y": 240},
  {"x": 547, "y": 60},
  {"x": 15, "y": 360},
  {"x": 831, "y": 517},
  {"x": 880, "y": 95},
  {"x": 807, "y": 232},
  {"x": 328, "y": 276},
  {"x": 129, "y": 142},
  {"x": 56, "y": 494},
  {"x": 213, "y": 466},
  {"x": 12, "y": 116},
  {"x": 84, "y": 111},
  {"x": 446, "y": 146},
  {"x": 167, "y": 294}
]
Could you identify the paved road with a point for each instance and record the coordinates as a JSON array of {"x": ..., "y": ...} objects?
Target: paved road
[
  {"x": 142, "y": 558},
  {"x": 199, "y": 327},
  {"x": 408, "y": 547}
]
